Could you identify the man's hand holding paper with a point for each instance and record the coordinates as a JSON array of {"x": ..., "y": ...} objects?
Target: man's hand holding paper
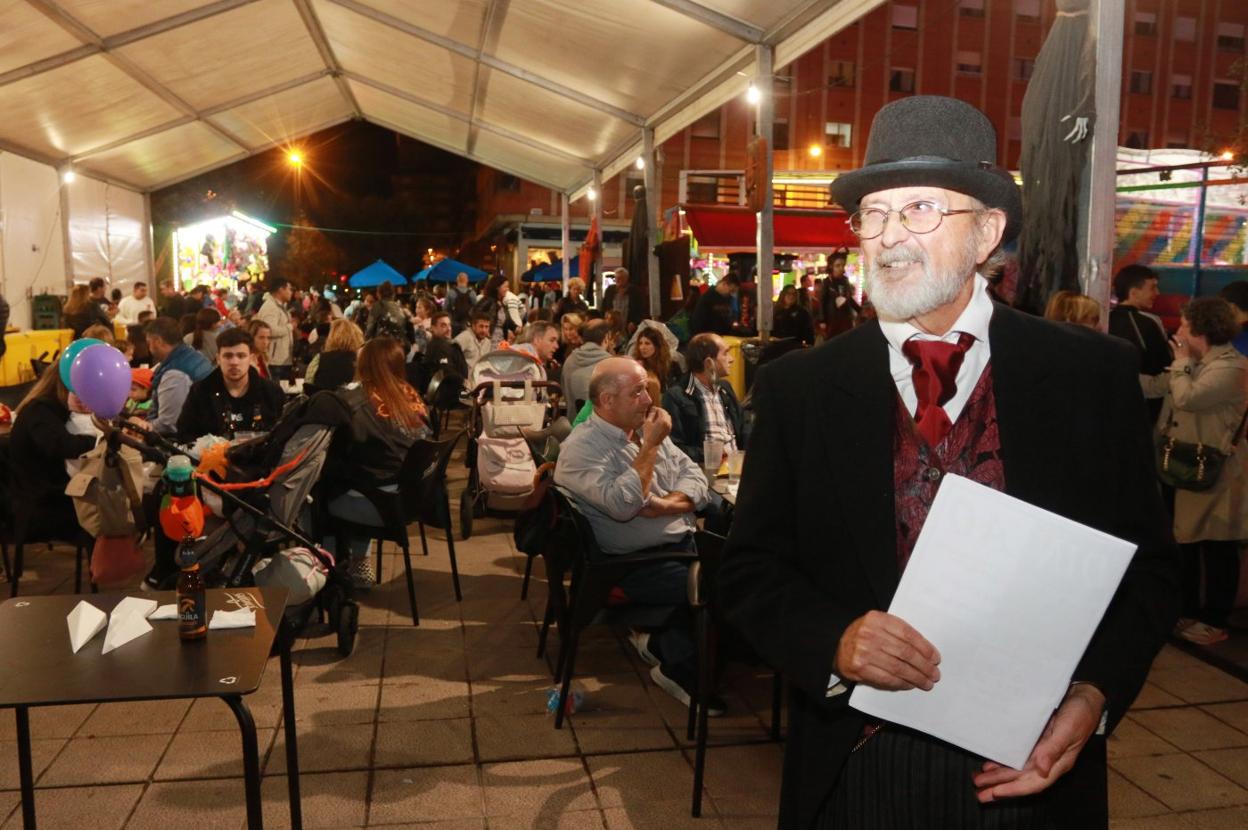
[
  {"x": 1010, "y": 595},
  {"x": 883, "y": 651}
]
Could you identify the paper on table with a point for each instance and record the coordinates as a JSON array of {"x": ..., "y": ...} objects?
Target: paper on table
[
  {"x": 1010, "y": 596},
  {"x": 165, "y": 612},
  {"x": 85, "y": 621},
  {"x": 242, "y": 618},
  {"x": 134, "y": 605},
  {"x": 123, "y": 628}
]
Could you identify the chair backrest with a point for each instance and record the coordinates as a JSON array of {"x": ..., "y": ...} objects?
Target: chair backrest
[
  {"x": 422, "y": 481},
  {"x": 574, "y": 535},
  {"x": 710, "y": 548}
]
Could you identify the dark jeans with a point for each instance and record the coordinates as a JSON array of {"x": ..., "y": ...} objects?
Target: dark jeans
[
  {"x": 667, "y": 583},
  {"x": 1220, "y": 560}
]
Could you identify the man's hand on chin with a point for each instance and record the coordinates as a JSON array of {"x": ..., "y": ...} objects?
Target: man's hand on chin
[{"x": 1055, "y": 753}]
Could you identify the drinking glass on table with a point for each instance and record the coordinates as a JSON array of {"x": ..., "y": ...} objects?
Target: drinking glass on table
[
  {"x": 712, "y": 456},
  {"x": 736, "y": 460}
]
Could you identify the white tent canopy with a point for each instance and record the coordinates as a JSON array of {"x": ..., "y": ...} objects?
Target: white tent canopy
[{"x": 144, "y": 94}]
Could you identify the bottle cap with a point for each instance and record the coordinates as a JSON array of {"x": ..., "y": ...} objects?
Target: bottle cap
[{"x": 179, "y": 468}]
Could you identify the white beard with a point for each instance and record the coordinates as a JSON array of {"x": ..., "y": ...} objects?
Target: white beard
[{"x": 897, "y": 298}]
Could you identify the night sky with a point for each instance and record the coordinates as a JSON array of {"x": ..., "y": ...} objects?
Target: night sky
[{"x": 347, "y": 181}]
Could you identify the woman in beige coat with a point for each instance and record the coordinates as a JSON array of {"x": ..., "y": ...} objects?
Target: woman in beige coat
[{"x": 1206, "y": 392}]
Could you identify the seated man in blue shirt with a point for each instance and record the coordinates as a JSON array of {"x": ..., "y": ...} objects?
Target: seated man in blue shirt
[{"x": 639, "y": 492}]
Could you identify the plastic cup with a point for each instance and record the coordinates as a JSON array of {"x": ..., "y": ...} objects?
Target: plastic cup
[
  {"x": 712, "y": 456},
  {"x": 736, "y": 460}
]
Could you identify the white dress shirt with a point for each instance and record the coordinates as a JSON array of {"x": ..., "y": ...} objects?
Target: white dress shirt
[{"x": 974, "y": 321}]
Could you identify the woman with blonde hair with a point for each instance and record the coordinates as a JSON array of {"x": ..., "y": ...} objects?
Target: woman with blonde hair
[
  {"x": 334, "y": 366},
  {"x": 1071, "y": 307},
  {"x": 387, "y": 417}
]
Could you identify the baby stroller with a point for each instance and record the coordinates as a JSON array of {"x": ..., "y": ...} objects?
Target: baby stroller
[
  {"x": 512, "y": 428},
  {"x": 259, "y": 504}
]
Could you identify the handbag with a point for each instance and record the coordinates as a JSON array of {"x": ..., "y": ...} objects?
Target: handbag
[
  {"x": 1187, "y": 466},
  {"x": 503, "y": 417}
]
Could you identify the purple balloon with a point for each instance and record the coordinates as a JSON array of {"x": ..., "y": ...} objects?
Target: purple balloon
[{"x": 101, "y": 379}]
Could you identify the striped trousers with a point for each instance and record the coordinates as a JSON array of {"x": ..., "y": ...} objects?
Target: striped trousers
[{"x": 904, "y": 780}]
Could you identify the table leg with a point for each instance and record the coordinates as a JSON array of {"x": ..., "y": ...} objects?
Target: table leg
[
  {"x": 25, "y": 768},
  {"x": 251, "y": 760},
  {"x": 286, "y": 636}
]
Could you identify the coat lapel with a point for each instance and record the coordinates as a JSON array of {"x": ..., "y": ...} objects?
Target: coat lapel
[
  {"x": 858, "y": 401},
  {"x": 1027, "y": 408}
]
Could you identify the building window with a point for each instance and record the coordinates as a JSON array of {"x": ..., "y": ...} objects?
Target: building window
[
  {"x": 1138, "y": 140},
  {"x": 1185, "y": 29},
  {"x": 1023, "y": 67},
  {"x": 971, "y": 8},
  {"x": 505, "y": 183},
  {"x": 969, "y": 63},
  {"x": 780, "y": 134},
  {"x": 1146, "y": 24},
  {"x": 905, "y": 17},
  {"x": 841, "y": 73},
  {"x": 1027, "y": 11},
  {"x": 838, "y": 134},
  {"x": 901, "y": 80},
  {"x": 706, "y": 127},
  {"x": 1181, "y": 87},
  {"x": 1141, "y": 82},
  {"x": 1225, "y": 95},
  {"x": 702, "y": 190},
  {"x": 1231, "y": 37}
]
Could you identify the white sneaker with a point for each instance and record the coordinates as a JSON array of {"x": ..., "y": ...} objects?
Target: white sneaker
[
  {"x": 714, "y": 705},
  {"x": 1203, "y": 634},
  {"x": 641, "y": 642}
]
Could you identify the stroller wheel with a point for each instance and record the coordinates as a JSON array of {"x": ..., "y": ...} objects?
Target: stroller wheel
[
  {"x": 348, "y": 625},
  {"x": 465, "y": 515}
]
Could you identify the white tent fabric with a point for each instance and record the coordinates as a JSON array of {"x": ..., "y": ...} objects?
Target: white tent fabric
[
  {"x": 145, "y": 94},
  {"x": 32, "y": 243}
]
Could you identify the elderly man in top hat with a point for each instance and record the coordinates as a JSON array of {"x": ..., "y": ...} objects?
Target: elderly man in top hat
[{"x": 946, "y": 381}]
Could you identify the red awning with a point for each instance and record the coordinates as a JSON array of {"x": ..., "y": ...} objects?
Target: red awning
[{"x": 728, "y": 227}]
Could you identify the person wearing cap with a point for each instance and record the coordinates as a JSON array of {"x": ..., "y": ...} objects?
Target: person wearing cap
[
  {"x": 944, "y": 381},
  {"x": 139, "y": 401}
]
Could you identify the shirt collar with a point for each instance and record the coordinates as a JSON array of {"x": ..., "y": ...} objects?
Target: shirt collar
[
  {"x": 609, "y": 430},
  {"x": 974, "y": 320}
]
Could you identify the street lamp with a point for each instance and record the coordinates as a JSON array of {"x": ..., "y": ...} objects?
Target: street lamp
[{"x": 295, "y": 158}]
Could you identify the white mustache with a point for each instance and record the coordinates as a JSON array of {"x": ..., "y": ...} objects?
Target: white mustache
[{"x": 893, "y": 256}]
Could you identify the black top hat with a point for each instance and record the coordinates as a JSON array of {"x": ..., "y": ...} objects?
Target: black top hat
[{"x": 933, "y": 141}]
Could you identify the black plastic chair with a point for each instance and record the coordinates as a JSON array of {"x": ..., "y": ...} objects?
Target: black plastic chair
[
  {"x": 706, "y": 629},
  {"x": 594, "y": 574},
  {"x": 421, "y": 498},
  {"x": 443, "y": 397}
]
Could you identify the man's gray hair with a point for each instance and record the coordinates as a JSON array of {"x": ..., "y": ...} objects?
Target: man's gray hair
[
  {"x": 534, "y": 330},
  {"x": 604, "y": 381}
]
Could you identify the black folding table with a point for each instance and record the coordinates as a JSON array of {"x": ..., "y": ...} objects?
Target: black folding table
[{"x": 39, "y": 668}]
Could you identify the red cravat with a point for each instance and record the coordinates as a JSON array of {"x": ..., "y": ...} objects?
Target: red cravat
[{"x": 936, "y": 365}]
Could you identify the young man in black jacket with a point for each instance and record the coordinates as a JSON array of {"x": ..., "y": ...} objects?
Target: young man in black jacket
[
  {"x": 233, "y": 398},
  {"x": 443, "y": 354},
  {"x": 703, "y": 404}
]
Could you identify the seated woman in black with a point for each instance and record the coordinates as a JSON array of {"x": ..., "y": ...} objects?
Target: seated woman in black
[
  {"x": 791, "y": 320},
  {"x": 40, "y": 445},
  {"x": 387, "y": 417},
  {"x": 334, "y": 366}
]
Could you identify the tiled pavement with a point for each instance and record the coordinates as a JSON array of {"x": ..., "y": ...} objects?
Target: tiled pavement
[{"x": 444, "y": 726}]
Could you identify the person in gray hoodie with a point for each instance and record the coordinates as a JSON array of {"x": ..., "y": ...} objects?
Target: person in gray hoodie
[{"x": 596, "y": 346}]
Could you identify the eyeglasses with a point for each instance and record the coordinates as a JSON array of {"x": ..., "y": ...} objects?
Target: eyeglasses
[{"x": 916, "y": 217}]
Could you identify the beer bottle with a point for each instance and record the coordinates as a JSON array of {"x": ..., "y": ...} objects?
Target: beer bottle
[{"x": 192, "y": 598}]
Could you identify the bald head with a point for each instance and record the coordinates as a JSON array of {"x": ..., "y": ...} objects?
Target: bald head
[{"x": 618, "y": 390}]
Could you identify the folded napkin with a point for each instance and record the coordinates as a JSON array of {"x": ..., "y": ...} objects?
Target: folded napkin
[
  {"x": 242, "y": 618},
  {"x": 165, "y": 612}
]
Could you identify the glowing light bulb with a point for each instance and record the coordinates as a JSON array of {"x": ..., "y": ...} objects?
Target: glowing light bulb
[
  {"x": 752, "y": 95},
  {"x": 69, "y": 176},
  {"x": 296, "y": 159},
  {"x": 591, "y": 194},
  {"x": 815, "y": 151},
  {"x": 641, "y": 163}
]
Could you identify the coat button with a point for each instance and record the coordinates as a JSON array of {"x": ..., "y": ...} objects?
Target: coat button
[{"x": 932, "y": 474}]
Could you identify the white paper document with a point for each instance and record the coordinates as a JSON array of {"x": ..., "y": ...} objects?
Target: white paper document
[{"x": 1010, "y": 596}]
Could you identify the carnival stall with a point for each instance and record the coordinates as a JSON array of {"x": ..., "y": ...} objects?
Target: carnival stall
[{"x": 221, "y": 252}]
